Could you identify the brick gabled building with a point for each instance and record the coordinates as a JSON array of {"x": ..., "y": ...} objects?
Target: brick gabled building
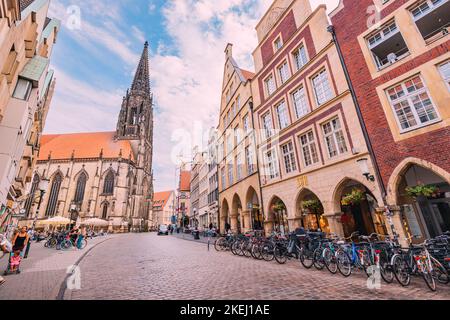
[
  {"x": 311, "y": 141},
  {"x": 397, "y": 55}
]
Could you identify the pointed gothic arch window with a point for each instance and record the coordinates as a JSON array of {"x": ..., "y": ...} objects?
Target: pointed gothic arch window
[
  {"x": 54, "y": 194},
  {"x": 108, "y": 187},
  {"x": 81, "y": 188},
  {"x": 30, "y": 200},
  {"x": 105, "y": 211}
]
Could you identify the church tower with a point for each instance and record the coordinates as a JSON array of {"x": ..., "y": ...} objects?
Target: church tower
[{"x": 135, "y": 124}]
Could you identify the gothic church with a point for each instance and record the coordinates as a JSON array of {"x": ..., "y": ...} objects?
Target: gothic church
[{"x": 105, "y": 175}]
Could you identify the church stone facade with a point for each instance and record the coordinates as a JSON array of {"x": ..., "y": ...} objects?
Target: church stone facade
[{"x": 105, "y": 175}]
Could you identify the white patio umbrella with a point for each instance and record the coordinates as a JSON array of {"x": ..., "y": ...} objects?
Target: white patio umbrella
[
  {"x": 96, "y": 222},
  {"x": 55, "y": 221}
]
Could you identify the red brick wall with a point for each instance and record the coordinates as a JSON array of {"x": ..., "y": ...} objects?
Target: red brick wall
[
  {"x": 433, "y": 146},
  {"x": 287, "y": 28}
]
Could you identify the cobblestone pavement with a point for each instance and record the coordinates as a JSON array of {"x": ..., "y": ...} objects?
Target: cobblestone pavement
[
  {"x": 145, "y": 266},
  {"x": 42, "y": 273}
]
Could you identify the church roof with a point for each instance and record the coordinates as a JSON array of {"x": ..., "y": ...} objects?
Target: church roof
[
  {"x": 185, "y": 181},
  {"x": 160, "y": 199},
  {"x": 83, "y": 146}
]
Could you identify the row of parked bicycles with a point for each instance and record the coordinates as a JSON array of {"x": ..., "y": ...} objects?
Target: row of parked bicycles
[{"x": 373, "y": 254}]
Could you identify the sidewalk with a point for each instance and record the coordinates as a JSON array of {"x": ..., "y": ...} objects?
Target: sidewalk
[
  {"x": 190, "y": 237},
  {"x": 42, "y": 273}
]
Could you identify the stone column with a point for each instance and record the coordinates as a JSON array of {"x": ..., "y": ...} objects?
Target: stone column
[
  {"x": 334, "y": 220},
  {"x": 398, "y": 224},
  {"x": 294, "y": 223},
  {"x": 246, "y": 218},
  {"x": 268, "y": 227},
  {"x": 234, "y": 223}
]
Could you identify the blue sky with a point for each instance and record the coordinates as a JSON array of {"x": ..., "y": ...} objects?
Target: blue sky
[{"x": 95, "y": 62}]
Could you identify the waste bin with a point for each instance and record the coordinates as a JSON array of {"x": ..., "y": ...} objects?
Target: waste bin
[{"x": 196, "y": 235}]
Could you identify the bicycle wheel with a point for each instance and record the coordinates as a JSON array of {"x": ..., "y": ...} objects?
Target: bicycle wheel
[
  {"x": 219, "y": 244},
  {"x": 280, "y": 255},
  {"x": 330, "y": 260},
  {"x": 83, "y": 244},
  {"x": 306, "y": 257},
  {"x": 267, "y": 251},
  {"x": 318, "y": 261},
  {"x": 234, "y": 247},
  {"x": 401, "y": 270},
  {"x": 256, "y": 251},
  {"x": 344, "y": 263},
  {"x": 386, "y": 269},
  {"x": 52, "y": 243},
  {"x": 66, "y": 245},
  {"x": 439, "y": 272},
  {"x": 429, "y": 279}
]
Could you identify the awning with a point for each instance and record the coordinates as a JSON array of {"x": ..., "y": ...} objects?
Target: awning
[{"x": 34, "y": 69}]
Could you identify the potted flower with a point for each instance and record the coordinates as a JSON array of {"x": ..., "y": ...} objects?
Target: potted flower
[
  {"x": 422, "y": 190},
  {"x": 353, "y": 198}
]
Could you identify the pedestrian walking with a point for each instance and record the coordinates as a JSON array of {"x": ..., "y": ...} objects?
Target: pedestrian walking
[
  {"x": 211, "y": 226},
  {"x": 20, "y": 240},
  {"x": 227, "y": 227},
  {"x": 5, "y": 248},
  {"x": 30, "y": 237},
  {"x": 81, "y": 236}
]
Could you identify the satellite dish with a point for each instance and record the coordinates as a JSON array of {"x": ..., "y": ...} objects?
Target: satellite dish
[{"x": 392, "y": 57}]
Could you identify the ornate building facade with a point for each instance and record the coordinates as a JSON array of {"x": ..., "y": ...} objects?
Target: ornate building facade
[
  {"x": 27, "y": 36},
  {"x": 106, "y": 175}
]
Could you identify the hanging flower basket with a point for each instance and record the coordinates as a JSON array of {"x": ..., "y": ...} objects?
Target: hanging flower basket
[
  {"x": 311, "y": 205},
  {"x": 353, "y": 198},
  {"x": 422, "y": 191}
]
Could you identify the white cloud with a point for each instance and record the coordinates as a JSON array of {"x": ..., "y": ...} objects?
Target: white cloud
[{"x": 187, "y": 86}]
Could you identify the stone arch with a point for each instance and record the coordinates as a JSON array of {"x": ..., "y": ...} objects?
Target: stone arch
[
  {"x": 335, "y": 201},
  {"x": 224, "y": 215},
  {"x": 309, "y": 211},
  {"x": 277, "y": 216},
  {"x": 75, "y": 178},
  {"x": 253, "y": 207},
  {"x": 402, "y": 167},
  {"x": 236, "y": 214}
]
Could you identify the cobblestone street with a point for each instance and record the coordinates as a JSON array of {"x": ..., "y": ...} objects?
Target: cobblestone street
[
  {"x": 145, "y": 266},
  {"x": 151, "y": 267}
]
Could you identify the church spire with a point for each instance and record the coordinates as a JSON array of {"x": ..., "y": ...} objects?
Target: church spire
[{"x": 141, "y": 82}]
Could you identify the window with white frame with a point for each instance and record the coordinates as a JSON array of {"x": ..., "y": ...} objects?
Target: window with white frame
[
  {"x": 272, "y": 165},
  {"x": 230, "y": 173},
  {"x": 233, "y": 110},
  {"x": 224, "y": 182},
  {"x": 246, "y": 124},
  {"x": 445, "y": 71},
  {"x": 283, "y": 71},
  {"x": 250, "y": 159},
  {"x": 290, "y": 164},
  {"x": 300, "y": 57},
  {"x": 309, "y": 149},
  {"x": 230, "y": 143},
  {"x": 282, "y": 115},
  {"x": 228, "y": 118},
  {"x": 412, "y": 104},
  {"x": 267, "y": 125},
  {"x": 225, "y": 124},
  {"x": 301, "y": 104},
  {"x": 432, "y": 18},
  {"x": 221, "y": 151},
  {"x": 334, "y": 138},
  {"x": 387, "y": 45},
  {"x": 238, "y": 103},
  {"x": 23, "y": 89},
  {"x": 322, "y": 88},
  {"x": 270, "y": 85},
  {"x": 228, "y": 95},
  {"x": 239, "y": 167},
  {"x": 237, "y": 133},
  {"x": 278, "y": 44}
]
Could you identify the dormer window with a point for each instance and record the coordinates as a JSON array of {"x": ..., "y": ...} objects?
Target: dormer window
[{"x": 387, "y": 45}]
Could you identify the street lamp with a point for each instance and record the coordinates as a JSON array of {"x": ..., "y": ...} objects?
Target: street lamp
[{"x": 364, "y": 166}]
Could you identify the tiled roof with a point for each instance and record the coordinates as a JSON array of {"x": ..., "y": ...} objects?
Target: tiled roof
[
  {"x": 24, "y": 4},
  {"x": 160, "y": 199},
  {"x": 185, "y": 181},
  {"x": 247, "y": 74},
  {"x": 83, "y": 146}
]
